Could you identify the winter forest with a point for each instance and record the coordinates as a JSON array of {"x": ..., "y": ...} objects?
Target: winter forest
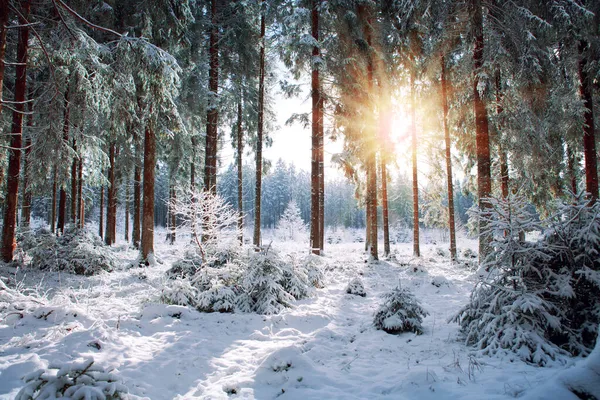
[{"x": 299, "y": 199}]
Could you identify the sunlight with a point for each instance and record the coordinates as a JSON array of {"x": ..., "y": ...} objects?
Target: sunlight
[{"x": 400, "y": 130}]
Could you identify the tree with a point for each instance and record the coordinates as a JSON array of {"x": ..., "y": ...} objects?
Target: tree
[
  {"x": 317, "y": 138},
  {"x": 259, "y": 134},
  {"x": 444, "y": 82},
  {"x": 290, "y": 224},
  {"x": 212, "y": 119},
  {"x": 14, "y": 160}
]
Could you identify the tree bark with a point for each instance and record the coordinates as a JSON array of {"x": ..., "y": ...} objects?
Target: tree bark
[
  {"x": 111, "y": 201},
  {"x": 484, "y": 182},
  {"x": 62, "y": 198},
  {"x": 126, "y": 213},
  {"x": 240, "y": 186},
  {"x": 504, "y": 178},
  {"x": 4, "y": 12},
  {"x": 74, "y": 165},
  {"x": 137, "y": 179},
  {"x": 210, "y": 167},
  {"x": 148, "y": 210},
  {"x": 315, "y": 192},
  {"x": 26, "y": 207},
  {"x": 413, "y": 128},
  {"x": 101, "y": 219},
  {"x": 14, "y": 159},
  {"x": 571, "y": 162},
  {"x": 384, "y": 196},
  {"x": 589, "y": 135},
  {"x": 53, "y": 211},
  {"x": 80, "y": 204},
  {"x": 449, "y": 178},
  {"x": 259, "y": 135}
]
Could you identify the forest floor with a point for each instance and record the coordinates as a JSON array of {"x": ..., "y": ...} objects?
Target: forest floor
[{"x": 326, "y": 347}]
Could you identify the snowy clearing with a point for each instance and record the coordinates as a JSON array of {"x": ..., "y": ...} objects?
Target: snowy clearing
[{"x": 325, "y": 347}]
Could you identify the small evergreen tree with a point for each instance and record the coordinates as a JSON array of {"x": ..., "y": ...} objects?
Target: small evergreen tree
[
  {"x": 291, "y": 226},
  {"x": 400, "y": 312}
]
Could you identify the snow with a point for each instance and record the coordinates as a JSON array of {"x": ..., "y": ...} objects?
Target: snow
[{"x": 325, "y": 347}]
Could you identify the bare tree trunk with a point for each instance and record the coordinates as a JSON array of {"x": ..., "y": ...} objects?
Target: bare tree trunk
[
  {"x": 126, "y": 213},
  {"x": 259, "y": 135},
  {"x": 449, "y": 178},
  {"x": 26, "y": 207},
  {"x": 62, "y": 197},
  {"x": 504, "y": 178},
  {"x": 372, "y": 204},
  {"x": 137, "y": 179},
  {"x": 240, "y": 186},
  {"x": 321, "y": 184},
  {"x": 148, "y": 210},
  {"x": 171, "y": 216},
  {"x": 101, "y": 220},
  {"x": 367, "y": 222},
  {"x": 413, "y": 128},
  {"x": 589, "y": 135},
  {"x": 111, "y": 201},
  {"x": 80, "y": 204},
  {"x": 212, "y": 122},
  {"x": 74, "y": 165},
  {"x": 386, "y": 219},
  {"x": 14, "y": 159},
  {"x": 4, "y": 12},
  {"x": 484, "y": 182},
  {"x": 315, "y": 192},
  {"x": 53, "y": 211}
]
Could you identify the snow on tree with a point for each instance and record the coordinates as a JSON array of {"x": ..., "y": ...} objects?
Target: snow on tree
[
  {"x": 400, "y": 312},
  {"x": 74, "y": 380},
  {"x": 539, "y": 300},
  {"x": 291, "y": 226}
]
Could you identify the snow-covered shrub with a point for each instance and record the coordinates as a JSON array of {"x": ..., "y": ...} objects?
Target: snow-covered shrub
[
  {"x": 180, "y": 292},
  {"x": 539, "y": 299},
  {"x": 312, "y": 267},
  {"x": 356, "y": 287},
  {"x": 271, "y": 284},
  {"x": 77, "y": 251},
  {"x": 291, "y": 226},
  {"x": 400, "y": 312},
  {"x": 187, "y": 266},
  {"x": 76, "y": 380}
]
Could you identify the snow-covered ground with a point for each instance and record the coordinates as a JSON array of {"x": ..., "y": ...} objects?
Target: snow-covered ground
[{"x": 326, "y": 347}]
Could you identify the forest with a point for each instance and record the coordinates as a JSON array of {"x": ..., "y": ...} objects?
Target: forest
[{"x": 444, "y": 242}]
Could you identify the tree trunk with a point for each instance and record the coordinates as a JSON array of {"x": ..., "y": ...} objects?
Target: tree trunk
[
  {"x": 26, "y": 207},
  {"x": 259, "y": 135},
  {"x": 321, "y": 183},
  {"x": 111, "y": 201},
  {"x": 137, "y": 179},
  {"x": 315, "y": 192},
  {"x": 240, "y": 186},
  {"x": 210, "y": 167},
  {"x": 449, "y": 178},
  {"x": 80, "y": 204},
  {"x": 372, "y": 204},
  {"x": 504, "y": 178},
  {"x": 53, "y": 211},
  {"x": 413, "y": 128},
  {"x": 386, "y": 220},
  {"x": 126, "y": 213},
  {"x": 571, "y": 162},
  {"x": 148, "y": 210},
  {"x": 101, "y": 219},
  {"x": 62, "y": 198},
  {"x": 484, "y": 182},
  {"x": 171, "y": 216},
  {"x": 589, "y": 136},
  {"x": 14, "y": 159},
  {"x": 74, "y": 165},
  {"x": 4, "y": 10}
]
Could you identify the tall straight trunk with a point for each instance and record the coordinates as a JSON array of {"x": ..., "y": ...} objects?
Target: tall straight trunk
[
  {"x": 449, "y": 178},
  {"x": 315, "y": 181},
  {"x": 111, "y": 200},
  {"x": 589, "y": 135},
  {"x": 74, "y": 165},
  {"x": 210, "y": 167},
  {"x": 80, "y": 202},
  {"x": 384, "y": 199},
  {"x": 571, "y": 162},
  {"x": 367, "y": 222},
  {"x": 14, "y": 159},
  {"x": 62, "y": 197},
  {"x": 259, "y": 135},
  {"x": 504, "y": 178},
  {"x": 126, "y": 214},
  {"x": 148, "y": 209},
  {"x": 101, "y": 220},
  {"x": 53, "y": 210},
  {"x": 415, "y": 182},
  {"x": 173, "y": 222},
  {"x": 372, "y": 204},
  {"x": 137, "y": 200},
  {"x": 4, "y": 10},
  {"x": 26, "y": 207},
  {"x": 321, "y": 185},
  {"x": 484, "y": 181},
  {"x": 240, "y": 175}
]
